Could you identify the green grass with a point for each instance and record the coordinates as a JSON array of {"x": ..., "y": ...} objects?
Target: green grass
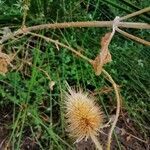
[{"x": 27, "y": 90}]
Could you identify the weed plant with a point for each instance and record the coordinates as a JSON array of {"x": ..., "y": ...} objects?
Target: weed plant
[{"x": 34, "y": 108}]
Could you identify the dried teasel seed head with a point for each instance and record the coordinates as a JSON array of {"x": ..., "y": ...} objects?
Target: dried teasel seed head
[{"x": 84, "y": 118}]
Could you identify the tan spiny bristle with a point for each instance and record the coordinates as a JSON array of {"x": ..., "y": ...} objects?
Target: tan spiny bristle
[{"x": 84, "y": 117}]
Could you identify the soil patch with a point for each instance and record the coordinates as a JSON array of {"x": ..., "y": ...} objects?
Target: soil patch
[{"x": 127, "y": 133}]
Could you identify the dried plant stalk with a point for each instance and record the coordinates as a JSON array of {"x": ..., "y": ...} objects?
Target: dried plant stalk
[
  {"x": 118, "y": 107},
  {"x": 62, "y": 45},
  {"x": 76, "y": 24},
  {"x": 135, "y": 13},
  {"x": 81, "y": 24},
  {"x": 135, "y": 38},
  {"x": 96, "y": 142}
]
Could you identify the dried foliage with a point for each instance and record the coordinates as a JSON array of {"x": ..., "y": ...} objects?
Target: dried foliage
[
  {"x": 104, "y": 56},
  {"x": 5, "y": 62}
]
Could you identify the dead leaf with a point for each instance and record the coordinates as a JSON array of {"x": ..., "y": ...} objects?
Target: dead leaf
[
  {"x": 4, "y": 63},
  {"x": 3, "y": 66},
  {"x": 104, "y": 56},
  {"x": 105, "y": 39}
]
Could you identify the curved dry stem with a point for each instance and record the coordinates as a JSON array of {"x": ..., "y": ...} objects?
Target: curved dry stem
[
  {"x": 96, "y": 142},
  {"x": 62, "y": 45},
  {"x": 147, "y": 9},
  {"x": 135, "y": 38},
  {"x": 118, "y": 107}
]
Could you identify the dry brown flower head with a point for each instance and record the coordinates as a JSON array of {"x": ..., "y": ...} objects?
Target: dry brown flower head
[{"x": 84, "y": 117}]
